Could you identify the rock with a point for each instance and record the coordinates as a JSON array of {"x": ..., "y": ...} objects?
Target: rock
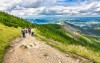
[
  {"x": 34, "y": 44},
  {"x": 11, "y": 45},
  {"x": 29, "y": 47},
  {"x": 60, "y": 61},
  {"x": 11, "y": 50},
  {"x": 28, "y": 53},
  {"x": 45, "y": 54},
  {"x": 24, "y": 46},
  {"x": 67, "y": 55}
]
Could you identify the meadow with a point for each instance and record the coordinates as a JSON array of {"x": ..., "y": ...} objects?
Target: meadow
[
  {"x": 7, "y": 34},
  {"x": 10, "y": 28},
  {"x": 56, "y": 36}
]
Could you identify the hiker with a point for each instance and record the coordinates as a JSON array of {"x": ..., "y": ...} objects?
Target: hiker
[
  {"x": 32, "y": 32},
  {"x": 29, "y": 31},
  {"x": 26, "y": 31},
  {"x": 23, "y": 33}
]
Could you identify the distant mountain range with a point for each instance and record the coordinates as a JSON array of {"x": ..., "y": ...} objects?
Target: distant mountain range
[
  {"x": 56, "y": 19},
  {"x": 87, "y": 25},
  {"x": 88, "y": 29}
]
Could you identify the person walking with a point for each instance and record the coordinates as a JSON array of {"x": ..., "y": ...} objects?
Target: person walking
[
  {"x": 29, "y": 31},
  {"x": 32, "y": 32},
  {"x": 23, "y": 33}
]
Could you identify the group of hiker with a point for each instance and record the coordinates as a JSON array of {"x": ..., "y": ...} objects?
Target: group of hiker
[{"x": 25, "y": 31}]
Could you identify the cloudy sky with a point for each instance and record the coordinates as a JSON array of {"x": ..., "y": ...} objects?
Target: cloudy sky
[{"x": 23, "y": 8}]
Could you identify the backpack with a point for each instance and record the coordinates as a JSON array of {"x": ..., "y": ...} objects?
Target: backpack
[{"x": 23, "y": 31}]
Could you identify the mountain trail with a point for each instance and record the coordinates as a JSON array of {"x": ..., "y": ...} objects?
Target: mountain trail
[{"x": 32, "y": 50}]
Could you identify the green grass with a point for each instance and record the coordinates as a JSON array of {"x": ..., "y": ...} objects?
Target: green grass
[
  {"x": 13, "y": 21},
  {"x": 53, "y": 34},
  {"x": 7, "y": 34},
  {"x": 10, "y": 29},
  {"x": 56, "y": 36}
]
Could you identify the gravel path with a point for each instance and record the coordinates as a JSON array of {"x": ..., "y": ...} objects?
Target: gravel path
[{"x": 31, "y": 50}]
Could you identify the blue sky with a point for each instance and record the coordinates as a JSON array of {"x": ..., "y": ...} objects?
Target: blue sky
[
  {"x": 71, "y": 0},
  {"x": 23, "y": 8}
]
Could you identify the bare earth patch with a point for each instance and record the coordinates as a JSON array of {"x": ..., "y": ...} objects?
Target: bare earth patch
[{"x": 32, "y": 50}]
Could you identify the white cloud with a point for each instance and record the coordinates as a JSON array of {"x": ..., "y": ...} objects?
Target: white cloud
[
  {"x": 37, "y": 3},
  {"x": 8, "y": 4},
  {"x": 27, "y": 11},
  {"x": 49, "y": 7}
]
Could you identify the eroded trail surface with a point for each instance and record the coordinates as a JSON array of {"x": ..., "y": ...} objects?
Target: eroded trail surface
[{"x": 32, "y": 50}]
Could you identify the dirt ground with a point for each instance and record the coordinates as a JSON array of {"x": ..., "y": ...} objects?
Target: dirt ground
[{"x": 32, "y": 50}]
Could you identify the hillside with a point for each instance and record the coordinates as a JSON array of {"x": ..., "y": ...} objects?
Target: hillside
[
  {"x": 92, "y": 29},
  {"x": 55, "y": 35},
  {"x": 9, "y": 29},
  {"x": 10, "y": 20},
  {"x": 7, "y": 34},
  {"x": 67, "y": 42}
]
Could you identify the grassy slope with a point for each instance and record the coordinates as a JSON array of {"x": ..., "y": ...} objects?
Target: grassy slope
[
  {"x": 10, "y": 20},
  {"x": 6, "y": 34},
  {"x": 63, "y": 40},
  {"x": 94, "y": 30}
]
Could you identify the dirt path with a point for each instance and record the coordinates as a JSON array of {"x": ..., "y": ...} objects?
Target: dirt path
[{"x": 31, "y": 50}]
